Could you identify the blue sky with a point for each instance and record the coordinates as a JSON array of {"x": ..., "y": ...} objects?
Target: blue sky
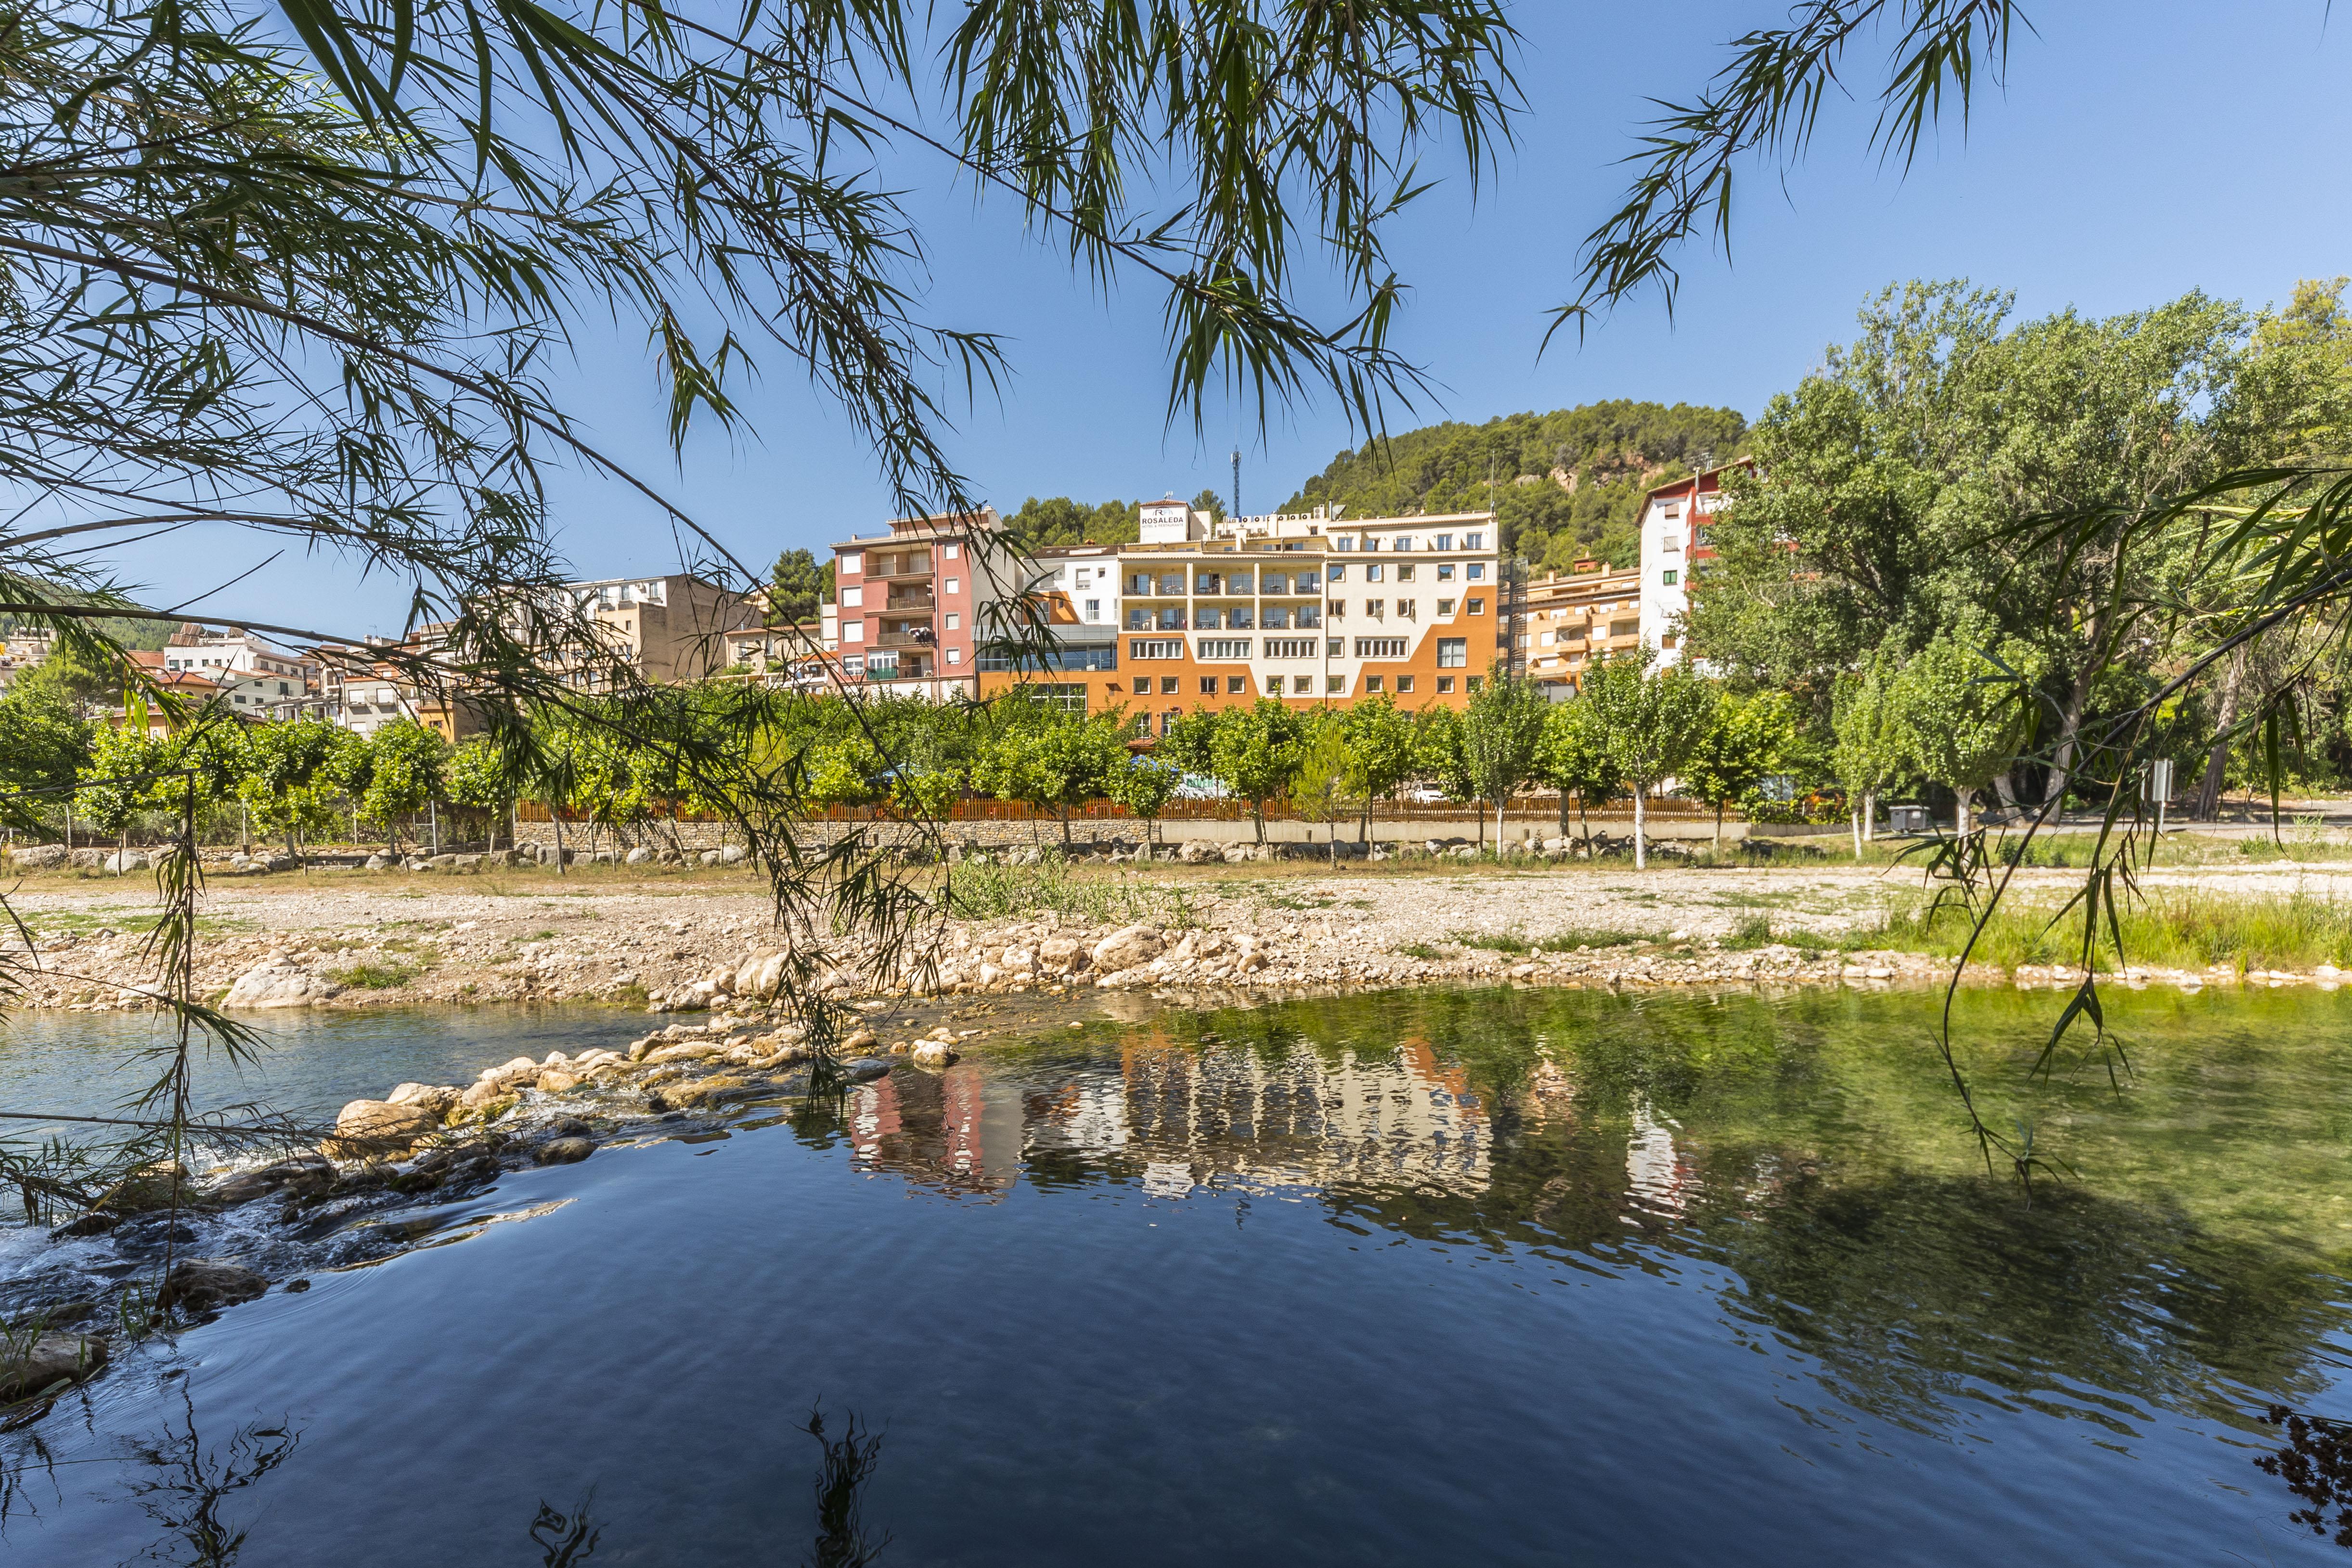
[{"x": 2114, "y": 169}]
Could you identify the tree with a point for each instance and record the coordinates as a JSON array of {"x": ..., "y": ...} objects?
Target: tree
[
  {"x": 74, "y": 678},
  {"x": 479, "y": 778},
  {"x": 1329, "y": 779},
  {"x": 1056, "y": 762},
  {"x": 43, "y": 744},
  {"x": 1963, "y": 717},
  {"x": 796, "y": 586},
  {"x": 1143, "y": 786},
  {"x": 291, "y": 782},
  {"x": 406, "y": 762},
  {"x": 1746, "y": 740},
  {"x": 1872, "y": 747},
  {"x": 1254, "y": 753},
  {"x": 118, "y": 779},
  {"x": 1573, "y": 758},
  {"x": 1651, "y": 720},
  {"x": 1061, "y": 520},
  {"x": 1501, "y": 730},
  {"x": 1380, "y": 734}
]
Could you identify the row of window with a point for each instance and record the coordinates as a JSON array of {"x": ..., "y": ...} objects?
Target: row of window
[
  {"x": 1272, "y": 584},
  {"x": 853, "y": 597},
  {"x": 1290, "y": 686},
  {"x": 1407, "y": 542},
  {"x": 898, "y": 565},
  {"x": 1452, "y": 653}
]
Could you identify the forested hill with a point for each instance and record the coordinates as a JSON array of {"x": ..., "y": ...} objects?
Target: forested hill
[{"x": 1566, "y": 484}]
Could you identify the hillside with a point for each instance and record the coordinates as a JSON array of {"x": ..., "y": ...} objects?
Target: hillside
[{"x": 1566, "y": 484}]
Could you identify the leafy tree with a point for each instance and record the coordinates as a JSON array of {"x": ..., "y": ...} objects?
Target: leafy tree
[
  {"x": 1191, "y": 742},
  {"x": 75, "y": 678},
  {"x": 43, "y": 742},
  {"x": 1143, "y": 786},
  {"x": 1254, "y": 753},
  {"x": 1651, "y": 718},
  {"x": 1872, "y": 749},
  {"x": 1962, "y": 716},
  {"x": 118, "y": 778},
  {"x": 1329, "y": 779},
  {"x": 796, "y": 586},
  {"x": 1057, "y": 762},
  {"x": 406, "y": 762},
  {"x": 1437, "y": 754},
  {"x": 478, "y": 777},
  {"x": 1380, "y": 734},
  {"x": 1061, "y": 520},
  {"x": 1573, "y": 757},
  {"x": 292, "y": 785},
  {"x": 1501, "y": 730},
  {"x": 1746, "y": 740}
]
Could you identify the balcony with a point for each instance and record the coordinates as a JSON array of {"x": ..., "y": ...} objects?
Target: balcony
[
  {"x": 913, "y": 604},
  {"x": 910, "y": 637}
]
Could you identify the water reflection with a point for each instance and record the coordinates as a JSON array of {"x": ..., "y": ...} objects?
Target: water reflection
[
  {"x": 565, "y": 1540},
  {"x": 186, "y": 1486},
  {"x": 2316, "y": 1465},
  {"x": 1709, "y": 1138}
]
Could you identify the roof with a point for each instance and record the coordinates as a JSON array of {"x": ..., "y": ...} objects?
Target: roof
[{"x": 1701, "y": 478}]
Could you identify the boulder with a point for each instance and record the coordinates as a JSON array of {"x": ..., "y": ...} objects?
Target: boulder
[
  {"x": 1020, "y": 959},
  {"x": 279, "y": 982},
  {"x": 159, "y": 1185},
  {"x": 722, "y": 982},
  {"x": 708, "y": 858},
  {"x": 638, "y": 857},
  {"x": 563, "y": 1151},
  {"x": 556, "y": 1080},
  {"x": 86, "y": 859},
  {"x": 48, "y": 1362},
  {"x": 199, "y": 1285},
  {"x": 123, "y": 860},
  {"x": 277, "y": 863},
  {"x": 1061, "y": 954},
  {"x": 370, "y": 1127},
  {"x": 303, "y": 1171},
  {"x": 376, "y": 863},
  {"x": 731, "y": 854},
  {"x": 433, "y": 1099},
  {"x": 933, "y": 1054},
  {"x": 1126, "y": 948},
  {"x": 36, "y": 857},
  {"x": 864, "y": 1069}
]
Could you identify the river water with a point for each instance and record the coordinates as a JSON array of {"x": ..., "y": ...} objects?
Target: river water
[{"x": 1440, "y": 1277}]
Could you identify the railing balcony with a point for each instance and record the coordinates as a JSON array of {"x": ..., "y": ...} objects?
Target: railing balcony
[
  {"x": 913, "y": 604},
  {"x": 908, "y": 637}
]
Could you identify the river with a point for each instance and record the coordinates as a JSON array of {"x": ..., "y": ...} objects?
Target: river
[{"x": 1506, "y": 1277}]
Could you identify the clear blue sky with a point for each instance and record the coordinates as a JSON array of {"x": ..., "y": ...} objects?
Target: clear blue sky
[{"x": 2118, "y": 168}]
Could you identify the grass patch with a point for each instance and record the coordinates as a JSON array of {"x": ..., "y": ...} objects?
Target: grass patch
[
  {"x": 1570, "y": 939},
  {"x": 371, "y": 976},
  {"x": 1422, "y": 950},
  {"x": 982, "y": 891},
  {"x": 2168, "y": 929},
  {"x": 1490, "y": 940}
]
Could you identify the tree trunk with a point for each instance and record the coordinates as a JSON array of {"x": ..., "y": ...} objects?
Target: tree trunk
[
  {"x": 122, "y": 851},
  {"x": 1869, "y": 816},
  {"x": 2217, "y": 760},
  {"x": 1640, "y": 824},
  {"x": 1498, "y": 830},
  {"x": 556, "y": 816},
  {"x": 2070, "y": 726},
  {"x": 1563, "y": 813},
  {"x": 1718, "y": 830},
  {"x": 1854, "y": 816},
  {"x": 1960, "y": 798},
  {"x": 1066, "y": 827},
  {"x": 1257, "y": 816},
  {"x": 433, "y": 817}
]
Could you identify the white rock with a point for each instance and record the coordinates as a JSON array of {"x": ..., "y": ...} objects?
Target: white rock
[
  {"x": 279, "y": 982},
  {"x": 730, "y": 854},
  {"x": 932, "y": 1054},
  {"x": 1021, "y": 959},
  {"x": 639, "y": 855},
  {"x": 1126, "y": 947},
  {"x": 436, "y": 1099},
  {"x": 380, "y": 1119},
  {"x": 1061, "y": 955}
]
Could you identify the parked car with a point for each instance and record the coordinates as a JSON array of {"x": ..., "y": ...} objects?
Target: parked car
[{"x": 1425, "y": 794}]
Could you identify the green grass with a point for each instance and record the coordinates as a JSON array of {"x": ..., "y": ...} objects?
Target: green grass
[
  {"x": 2168, "y": 929},
  {"x": 373, "y": 976},
  {"x": 1567, "y": 940},
  {"x": 978, "y": 890},
  {"x": 1422, "y": 951}
]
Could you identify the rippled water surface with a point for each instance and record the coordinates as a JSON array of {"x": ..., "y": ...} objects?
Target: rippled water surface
[{"x": 1492, "y": 1277}]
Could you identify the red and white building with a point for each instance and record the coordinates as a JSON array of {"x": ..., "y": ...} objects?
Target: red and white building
[{"x": 1675, "y": 547}]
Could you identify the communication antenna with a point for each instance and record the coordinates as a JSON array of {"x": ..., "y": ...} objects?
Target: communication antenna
[{"x": 1237, "y": 479}]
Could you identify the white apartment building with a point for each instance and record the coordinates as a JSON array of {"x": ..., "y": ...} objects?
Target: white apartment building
[{"x": 1674, "y": 549}]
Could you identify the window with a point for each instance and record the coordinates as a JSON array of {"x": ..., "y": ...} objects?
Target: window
[
  {"x": 1405, "y": 683},
  {"x": 1168, "y": 686},
  {"x": 1172, "y": 585},
  {"x": 1237, "y": 583},
  {"x": 1208, "y": 686},
  {"x": 1094, "y": 609},
  {"x": 955, "y": 655},
  {"x": 1343, "y": 543},
  {"x": 853, "y": 631},
  {"x": 955, "y": 621},
  {"x": 852, "y": 598},
  {"x": 1309, "y": 616},
  {"x": 1376, "y": 608},
  {"x": 1336, "y": 609},
  {"x": 1335, "y": 648},
  {"x": 1478, "y": 570},
  {"x": 1274, "y": 686},
  {"x": 1140, "y": 583},
  {"x": 1224, "y": 647},
  {"x": 1452, "y": 653},
  {"x": 854, "y": 668},
  {"x": 1404, "y": 573},
  {"x": 1477, "y": 607},
  {"x": 1669, "y": 577},
  {"x": 1233, "y": 683},
  {"x": 1406, "y": 609},
  {"x": 1207, "y": 619},
  {"x": 1302, "y": 684},
  {"x": 1379, "y": 648},
  {"x": 1372, "y": 683},
  {"x": 1405, "y": 542},
  {"x": 854, "y": 562},
  {"x": 1205, "y": 583},
  {"x": 1169, "y": 719},
  {"x": 1156, "y": 648},
  {"x": 1372, "y": 572},
  {"x": 1444, "y": 607},
  {"x": 955, "y": 585},
  {"x": 1446, "y": 572},
  {"x": 1473, "y": 541},
  {"x": 1274, "y": 583},
  {"x": 1335, "y": 684},
  {"x": 1477, "y": 682},
  {"x": 953, "y": 552},
  {"x": 1290, "y": 648},
  {"x": 1667, "y": 640},
  {"x": 1670, "y": 539},
  {"x": 1546, "y": 640},
  {"x": 1335, "y": 573},
  {"x": 1371, "y": 541},
  {"x": 1445, "y": 542}
]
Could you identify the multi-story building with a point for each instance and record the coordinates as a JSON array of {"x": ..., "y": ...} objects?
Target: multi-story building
[
  {"x": 905, "y": 602},
  {"x": 1674, "y": 549},
  {"x": 22, "y": 649},
  {"x": 665, "y": 629},
  {"x": 1567, "y": 620}
]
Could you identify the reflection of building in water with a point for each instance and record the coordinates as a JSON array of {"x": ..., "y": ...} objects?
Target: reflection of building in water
[
  {"x": 1174, "y": 1118},
  {"x": 959, "y": 1130},
  {"x": 1653, "y": 1167}
]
